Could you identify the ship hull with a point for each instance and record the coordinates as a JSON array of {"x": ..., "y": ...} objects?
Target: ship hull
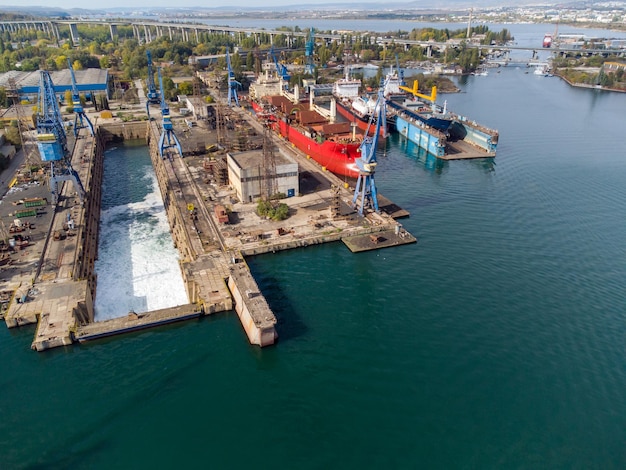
[
  {"x": 422, "y": 136},
  {"x": 336, "y": 156},
  {"x": 435, "y": 142}
]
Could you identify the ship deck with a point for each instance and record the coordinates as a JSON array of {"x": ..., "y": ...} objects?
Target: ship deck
[{"x": 461, "y": 150}]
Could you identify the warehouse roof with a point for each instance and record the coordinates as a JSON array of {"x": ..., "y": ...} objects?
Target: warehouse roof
[{"x": 86, "y": 80}]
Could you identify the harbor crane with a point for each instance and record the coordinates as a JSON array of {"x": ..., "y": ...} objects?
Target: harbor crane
[
  {"x": 232, "y": 83},
  {"x": 365, "y": 193},
  {"x": 168, "y": 139},
  {"x": 281, "y": 69},
  {"x": 80, "y": 118},
  {"x": 400, "y": 72},
  {"x": 309, "y": 51},
  {"x": 152, "y": 95},
  {"x": 52, "y": 140}
]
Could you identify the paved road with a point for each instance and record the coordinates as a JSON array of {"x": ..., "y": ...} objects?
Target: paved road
[{"x": 8, "y": 173}]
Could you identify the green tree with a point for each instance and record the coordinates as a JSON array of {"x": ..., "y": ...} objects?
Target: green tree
[
  {"x": 272, "y": 210},
  {"x": 185, "y": 88},
  {"x": 12, "y": 135},
  {"x": 61, "y": 62}
]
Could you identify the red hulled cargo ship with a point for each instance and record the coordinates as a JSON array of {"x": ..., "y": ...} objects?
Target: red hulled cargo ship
[{"x": 335, "y": 146}]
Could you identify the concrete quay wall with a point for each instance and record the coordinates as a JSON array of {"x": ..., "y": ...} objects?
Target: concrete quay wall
[
  {"x": 169, "y": 187},
  {"x": 67, "y": 282},
  {"x": 212, "y": 281},
  {"x": 260, "y": 248},
  {"x": 254, "y": 313},
  {"x": 119, "y": 131},
  {"x": 68, "y": 262},
  {"x": 84, "y": 262}
]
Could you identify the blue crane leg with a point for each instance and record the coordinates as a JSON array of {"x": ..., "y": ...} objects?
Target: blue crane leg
[
  {"x": 374, "y": 193},
  {"x": 356, "y": 190}
]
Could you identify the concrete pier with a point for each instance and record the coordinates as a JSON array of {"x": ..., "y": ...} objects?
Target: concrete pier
[
  {"x": 135, "y": 322},
  {"x": 214, "y": 280},
  {"x": 59, "y": 294},
  {"x": 256, "y": 317}
]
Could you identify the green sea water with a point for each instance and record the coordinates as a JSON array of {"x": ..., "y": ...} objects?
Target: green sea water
[{"x": 496, "y": 341}]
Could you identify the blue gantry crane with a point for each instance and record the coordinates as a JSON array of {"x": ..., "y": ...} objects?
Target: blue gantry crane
[
  {"x": 52, "y": 140},
  {"x": 309, "y": 52},
  {"x": 281, "y": 69},
  {"x": 152, "y": 95},
  {"x": 400, "y": 72},
  {"x": 80, "y": 118},
  {"x": 365, "y": 194},
  {"x": 168, "y": 139},
  {"x": 232, "y": 83}
]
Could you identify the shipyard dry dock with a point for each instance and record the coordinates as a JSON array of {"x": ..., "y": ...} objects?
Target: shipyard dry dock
[{"x": 49, "y": 279}]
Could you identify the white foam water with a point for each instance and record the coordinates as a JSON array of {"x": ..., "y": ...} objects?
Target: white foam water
[{"x": 137, "y": 264}]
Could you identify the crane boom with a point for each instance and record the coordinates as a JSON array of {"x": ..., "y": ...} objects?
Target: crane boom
[
  {"x": 414, "y": 91},
  {"x": 281, "y": 69},
  {"x": 400, "y": 72}
]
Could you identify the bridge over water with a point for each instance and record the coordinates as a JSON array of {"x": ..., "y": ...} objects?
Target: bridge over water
[{"x": 147, "y": 31}]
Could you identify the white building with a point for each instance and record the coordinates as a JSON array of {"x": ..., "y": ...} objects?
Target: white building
[{"x": 246, "y": 174}]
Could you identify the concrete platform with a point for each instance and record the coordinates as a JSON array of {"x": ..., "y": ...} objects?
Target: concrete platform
[
  {"x": 134, "y": 322},
  {"x": 378, "y": 240},
  {"x": 391, "y": 209}
]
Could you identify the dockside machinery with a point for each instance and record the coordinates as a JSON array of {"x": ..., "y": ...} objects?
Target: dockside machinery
[
  {"x": 81, "y": 120},
  {"x": 52, "y": 140},
  {"x": 168, "y": 139},
  {"x": 232, "y": 83},
  {"x": 365, "y": 193},
  {"x": 152, "y": 95}
]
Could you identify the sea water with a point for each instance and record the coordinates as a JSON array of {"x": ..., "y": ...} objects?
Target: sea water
[
  {"x": 137, "y": 264},
  {"x": 496, "y": 341}
]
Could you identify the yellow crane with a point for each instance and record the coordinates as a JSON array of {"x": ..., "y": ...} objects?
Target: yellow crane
[{"x": 415, "y": 92}]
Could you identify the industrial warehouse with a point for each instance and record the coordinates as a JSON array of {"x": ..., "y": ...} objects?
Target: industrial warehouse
[{"x": 88, "y": 82}]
